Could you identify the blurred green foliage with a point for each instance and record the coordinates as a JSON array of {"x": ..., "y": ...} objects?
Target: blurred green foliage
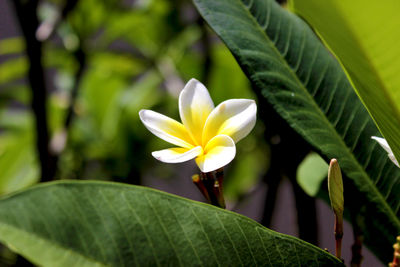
[
  {"x": 311, "y": 173},
  {"x": 137, "y": 56},
  {"x": 17, "y": 151}
]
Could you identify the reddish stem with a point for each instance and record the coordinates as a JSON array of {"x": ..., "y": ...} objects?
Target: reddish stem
[
  {"x": 200, "y": 185},
  {"x": 210, "y": 185},
  {"x": 338, "y": 236}
]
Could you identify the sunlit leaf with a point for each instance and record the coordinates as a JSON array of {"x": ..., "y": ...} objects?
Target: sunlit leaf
[
  {"x": 13, "y": 45},
  {"x": 116, "y": 64},
  {"x": 224, "y": 65},
  {"x": 15, "y": 92},
  {"x": 364, "y": 36},
  {"x": 18, "y": 162},
  {"x": 311, "y": 172},
  {"x": 13, "y": 69},
  {"x": 143, "y": 94},
  {"x": 143, "y": 28}
]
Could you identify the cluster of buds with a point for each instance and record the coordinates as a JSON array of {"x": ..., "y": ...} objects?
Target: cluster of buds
[
  {"x": 210, "y": 185},
  {"x": 396, "y": 255}
]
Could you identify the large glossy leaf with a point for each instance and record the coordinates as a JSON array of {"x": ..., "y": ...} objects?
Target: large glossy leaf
[
  {"x": 109, "y": 224},
  {"x": 289, "y": 66},
  {"x": 365, "y": 37}
]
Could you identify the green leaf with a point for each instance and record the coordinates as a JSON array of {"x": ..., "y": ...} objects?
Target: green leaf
[
  {"x": 143, "y": 94},
  {"x": 149, "y": 23},
  {"x": 14, "y": 92},
  {"x": 13, "y": 45},
  {"x": 13, "y": 69},
  {"x": 18, "y": 160},
  {"x": 311, "y": 173},
  {"x": 110, "y": 224},
  {"x": 224, "y": 65},
  {"x": 290, "y": 68},
  {"x": 364, "y": 36}
]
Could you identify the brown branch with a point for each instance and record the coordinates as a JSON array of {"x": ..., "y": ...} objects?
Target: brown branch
[
  {"x": 26, "y": 14},
  {"x": 59, "y": 140},
  {"x": 81, "y": 58},
  {"x": 288, "y": 150},
  {"x": 273, "y": 179},
  {"x": 48, "y": 152},
  {"x": 306, "y": 212},
  {"x": 356, "y": 248}
]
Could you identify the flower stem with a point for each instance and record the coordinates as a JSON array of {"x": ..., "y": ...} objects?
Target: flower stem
[
  {"x": 198, "y": 181},
  {"x": 338, "y": 235},
  {"x": 210, "y": 185}
]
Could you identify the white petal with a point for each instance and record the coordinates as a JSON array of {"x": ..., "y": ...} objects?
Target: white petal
[
  {"x": 234, "y": 117},
  {"x": 166, "y": 128},
  {"x": 385, "y": 145},
  {"x": 177, "y": 154},
  {"x": 195, "y": 104},
  {"x": 218, "y": 152},
  {"x": 392, "y": 158}
]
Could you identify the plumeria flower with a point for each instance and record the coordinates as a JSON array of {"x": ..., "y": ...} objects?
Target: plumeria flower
[
  {"x": 206, "y": 134},
  {"x": 385, "y": 145}
]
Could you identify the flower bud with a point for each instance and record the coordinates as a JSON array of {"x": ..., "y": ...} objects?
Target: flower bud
[{"x": 335, "y": 188}]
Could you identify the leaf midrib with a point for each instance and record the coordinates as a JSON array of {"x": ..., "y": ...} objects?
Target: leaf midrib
[{"x": 361, "y": 170}]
